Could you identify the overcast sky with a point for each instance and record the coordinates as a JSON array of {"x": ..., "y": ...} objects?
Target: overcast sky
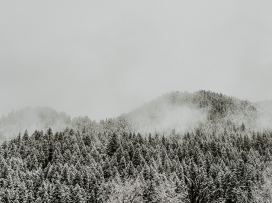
[{"x": 104, "y": 58}]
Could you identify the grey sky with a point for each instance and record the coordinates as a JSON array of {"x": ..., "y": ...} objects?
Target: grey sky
[{"x": 104, "y": 58}]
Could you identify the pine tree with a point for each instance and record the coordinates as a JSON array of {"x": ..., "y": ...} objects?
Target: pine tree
[
  {"x": 85, "y": 179},
  {"x": 65, "y": 194},
  {"x": 78, "y": 179},
  {"x": 130, "y": 170},
  {"x": 107, "y": 167},
  {"x": 119, "y": 153},
  {"x": 65, "y": 174},
  {"x": 25, "y": 136},
  {"x": 146, "y": 172},
  {"x": 137, "y": 158},
  {"x": 149, "y": 193},
  {"x": 78, "y": 194},
  {"x": 113, "y": 145},
  {"x": 122, "y": 166}
]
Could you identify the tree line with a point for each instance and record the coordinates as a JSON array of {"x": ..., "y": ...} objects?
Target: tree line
[{"x": 84, "y": 166}]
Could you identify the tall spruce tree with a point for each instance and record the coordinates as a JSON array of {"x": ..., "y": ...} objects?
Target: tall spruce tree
[{"x": 113, "y": 145}]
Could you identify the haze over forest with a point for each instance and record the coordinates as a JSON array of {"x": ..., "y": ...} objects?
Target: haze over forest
[
  {"x": 180, "y": 147},
  {"x": 175, "y": 111},
  {"x": 136, "y": 101}
]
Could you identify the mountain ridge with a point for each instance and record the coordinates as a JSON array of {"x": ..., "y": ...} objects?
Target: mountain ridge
[{"x": 179, "y": 111}]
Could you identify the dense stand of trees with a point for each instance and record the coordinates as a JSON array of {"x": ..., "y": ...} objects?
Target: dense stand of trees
[
  {"x": 77, "y": 166},
  {"x": 226, "y": 159}
]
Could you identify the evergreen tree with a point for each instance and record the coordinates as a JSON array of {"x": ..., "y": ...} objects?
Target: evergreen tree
[
  {"x": 130, "y": 170},
  {"x": 25, "y": 136},
  {"x": 113, "y": 145},
  {"x": 78, "y": 194},
  {"x": 137, "y": 158},
  {"x": 149, "y": 193}
]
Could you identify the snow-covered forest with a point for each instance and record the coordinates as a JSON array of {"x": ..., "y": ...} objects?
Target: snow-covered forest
[
  {"x": 135, "y": 101},
  {"x": 180, "y": 147}
]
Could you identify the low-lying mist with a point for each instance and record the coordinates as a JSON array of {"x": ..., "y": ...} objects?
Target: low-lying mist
[
  {"x": 179, "y": 112},
  {"x": 161, "y": 116},
  {"x": 184, "y": 112},
  {"x": 31, "y": 119},
  {"x": 264, "y": 116}
]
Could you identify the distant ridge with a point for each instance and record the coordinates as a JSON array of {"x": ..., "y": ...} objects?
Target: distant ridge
[
  {"x": 185, "y": 111},
  {"x": 178, "y": 111}
]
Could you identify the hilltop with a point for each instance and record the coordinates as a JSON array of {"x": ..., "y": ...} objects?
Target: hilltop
[{"x": 183, "y": 111}]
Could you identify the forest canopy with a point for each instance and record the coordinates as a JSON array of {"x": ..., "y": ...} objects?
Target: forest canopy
[{"x": 223, "y": 157}]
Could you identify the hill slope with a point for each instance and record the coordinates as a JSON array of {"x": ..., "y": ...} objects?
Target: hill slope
[
  {"x": 105, "y": 162},
  {"x": 175, "y": 111},
  {"x": 183, "y": 112}
]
